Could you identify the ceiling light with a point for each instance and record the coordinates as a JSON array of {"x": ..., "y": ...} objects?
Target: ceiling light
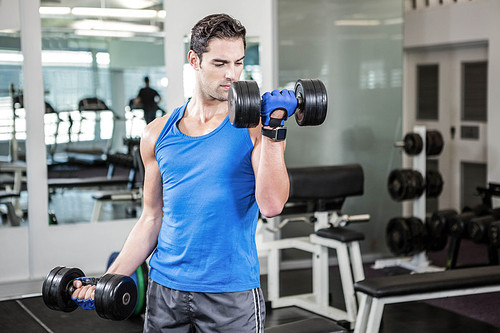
[
  {"x": 55, "y": 10},
  {"x": 113, "y": 12},
  {"x": 357, "y": 22},
  {"x": 66, "y": 57},
  {"x": 104, "y": 33},
  {"x": 114, "y": 26},
  {"x": 137, "y": 4}
]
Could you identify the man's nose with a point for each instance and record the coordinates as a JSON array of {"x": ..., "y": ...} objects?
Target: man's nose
[{"x": 230, "y": 72}]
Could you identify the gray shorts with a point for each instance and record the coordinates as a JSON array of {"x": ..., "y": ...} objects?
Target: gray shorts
[{"x": 170, "y": 310}]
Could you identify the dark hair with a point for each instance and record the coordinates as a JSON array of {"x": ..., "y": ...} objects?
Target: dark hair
[
  {"x": 146, "y": 79},
  {"x": 215, "y": 26}
]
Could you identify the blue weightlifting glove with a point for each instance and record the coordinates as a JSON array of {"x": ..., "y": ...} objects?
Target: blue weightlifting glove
[
  {"x": 277, "y": 100},
  {"x": 86, "y": 304}
]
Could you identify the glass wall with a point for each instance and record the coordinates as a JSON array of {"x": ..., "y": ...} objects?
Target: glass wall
[{"x": 355, "y": 48}]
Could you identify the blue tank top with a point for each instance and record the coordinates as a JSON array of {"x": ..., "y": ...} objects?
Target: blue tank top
[{"x": 207, "y": 238}]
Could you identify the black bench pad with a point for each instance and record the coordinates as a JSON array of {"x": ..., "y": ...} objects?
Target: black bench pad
[
  {"x": 325, "y": 182},
  {"x": 341, "y": 234},
  {"x": 400, "y": 285},
  {"x": 311, "y": 325},
  {"x": 9, "y": 194}
]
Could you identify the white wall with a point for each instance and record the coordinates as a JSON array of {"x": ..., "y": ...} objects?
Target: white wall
[
  {"x": 465, "y": 23},
  {"x": 257, "y": 16},
  {"x": 9, "y": 15}
]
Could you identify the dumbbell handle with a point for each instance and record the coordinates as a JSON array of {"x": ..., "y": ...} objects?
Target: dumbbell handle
[
  {"x": 86, "y": 281},
  {"x": 359, "y": 218},
  {"x": 300, "y": 100},
  {"x": 344, "y": 220},
  {"x": 399, "y": 144}
]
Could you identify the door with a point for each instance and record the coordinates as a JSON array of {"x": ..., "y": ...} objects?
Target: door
[{"x": 446, "y": 90}]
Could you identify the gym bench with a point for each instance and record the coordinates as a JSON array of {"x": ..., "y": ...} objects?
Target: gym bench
[
  {"x": 134, "y": 192},
  {"x": 317, "y": 195},
  {"x": 376, "y": 292}
]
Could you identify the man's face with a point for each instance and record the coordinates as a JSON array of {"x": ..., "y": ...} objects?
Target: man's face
[{"x": 220, "y": 66}]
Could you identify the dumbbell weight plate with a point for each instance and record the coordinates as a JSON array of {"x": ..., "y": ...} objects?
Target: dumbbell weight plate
[
  {"x": 413, "y": 144},
  {"x": 494, "y": 234},
  {"x": 434, "y": 143},
  {"x": 477, "y": 228},
  {"x": 244, "y": 104},
  {"x": 115, "y": 297},
  {"x": 405, "y": 184},
  {"x": 419, "y": 235},
  {"x": 398, "y": 236},
  {"x": 434, "y": 184},
  {"x": 313, "y": 102},
  {"x": 140, "y": 278},
  {"x": 55, "y": 292},
  {"x": 142, "y": 282}
]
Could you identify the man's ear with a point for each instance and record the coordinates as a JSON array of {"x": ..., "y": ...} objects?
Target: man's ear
[{"x": 194, "y": 60}]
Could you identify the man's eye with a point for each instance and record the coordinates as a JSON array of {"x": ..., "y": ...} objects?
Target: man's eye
[
  {"x": 219, "y": 64},
  {"x": 239, "y": 63}
]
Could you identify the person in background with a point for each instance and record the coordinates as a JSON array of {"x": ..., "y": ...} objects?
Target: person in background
[{"x": 149, "y": 98}]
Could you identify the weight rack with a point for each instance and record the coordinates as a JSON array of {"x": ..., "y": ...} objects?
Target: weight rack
[{"x": 419, "y": 262}]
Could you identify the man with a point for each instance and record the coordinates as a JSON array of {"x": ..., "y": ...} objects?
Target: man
[
  {"x": 149, "y": 98},
  {"x": 205, "y": 182}
]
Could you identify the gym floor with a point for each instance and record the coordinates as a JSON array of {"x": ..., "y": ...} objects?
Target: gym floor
[
  {"x": 459, "y": 314},
  {"x": 31, "y": 315}
]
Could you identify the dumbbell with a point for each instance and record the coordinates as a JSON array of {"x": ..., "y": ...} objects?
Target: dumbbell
[
  {"x": 244, "y": 103},
  {"x": 413, "y": 144},
  {"x": 408, "y": 184},
  {"x": 406, "y": 236},
  {"x": 115, "y": 295},
  {"x": 477, "y": 228},
  {"x": 458, "y": 225},
  {"x": 140, "y": 278},
  {"x": 438, "y": 230}
]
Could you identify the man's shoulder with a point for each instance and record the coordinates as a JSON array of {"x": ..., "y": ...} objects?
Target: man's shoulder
[{"x": 153, "y": 129}]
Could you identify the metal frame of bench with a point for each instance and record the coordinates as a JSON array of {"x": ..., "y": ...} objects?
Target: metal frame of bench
[
  {"x": 103, "y": 197},
  {"x": 377, "y": 292},
  {"x": 327, "y": 187},
  {"x": 132, "y": 194},
  {"x": 349, "y": 262}
]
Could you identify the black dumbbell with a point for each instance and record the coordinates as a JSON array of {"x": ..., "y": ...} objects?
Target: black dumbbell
[
  {"x": 405, "y": 184},
  {"x": 406, "y": 236},
  {"x": 140, "y": 278},
  {"x": 115, "y": 295},
  {"x": 413, "y": 144},
  {"x": 408, "y": 184},
  {"x": 437, "y": 229},
  {"x": 433, "y": 184},
  {"x": 244, "y": 103},
  {"x": 477, "y": 228}
]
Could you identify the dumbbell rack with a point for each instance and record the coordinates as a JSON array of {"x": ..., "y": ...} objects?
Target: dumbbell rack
[{"x": 419, "y": 262}]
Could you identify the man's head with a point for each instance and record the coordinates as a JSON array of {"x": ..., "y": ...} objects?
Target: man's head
[
  {"x": 146, "y": 80},
  {"x": 220, "y": 39},
  {"x": 220, "y": 26}
]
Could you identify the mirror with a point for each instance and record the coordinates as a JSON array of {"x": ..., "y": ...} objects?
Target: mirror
[
  {"x": 13, "y": 198},
  {"x": 92, "y": 76}
]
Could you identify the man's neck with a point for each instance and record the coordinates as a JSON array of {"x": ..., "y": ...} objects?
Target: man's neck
[{"x": 205, "y": 108}]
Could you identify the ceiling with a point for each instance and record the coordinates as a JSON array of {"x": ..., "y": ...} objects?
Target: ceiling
[
  {"x": 131, "y": 4},
  {"x": 94, "y": 24}
]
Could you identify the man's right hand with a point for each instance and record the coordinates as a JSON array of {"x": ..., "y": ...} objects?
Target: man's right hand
[{"x": 83, "y": 295}]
